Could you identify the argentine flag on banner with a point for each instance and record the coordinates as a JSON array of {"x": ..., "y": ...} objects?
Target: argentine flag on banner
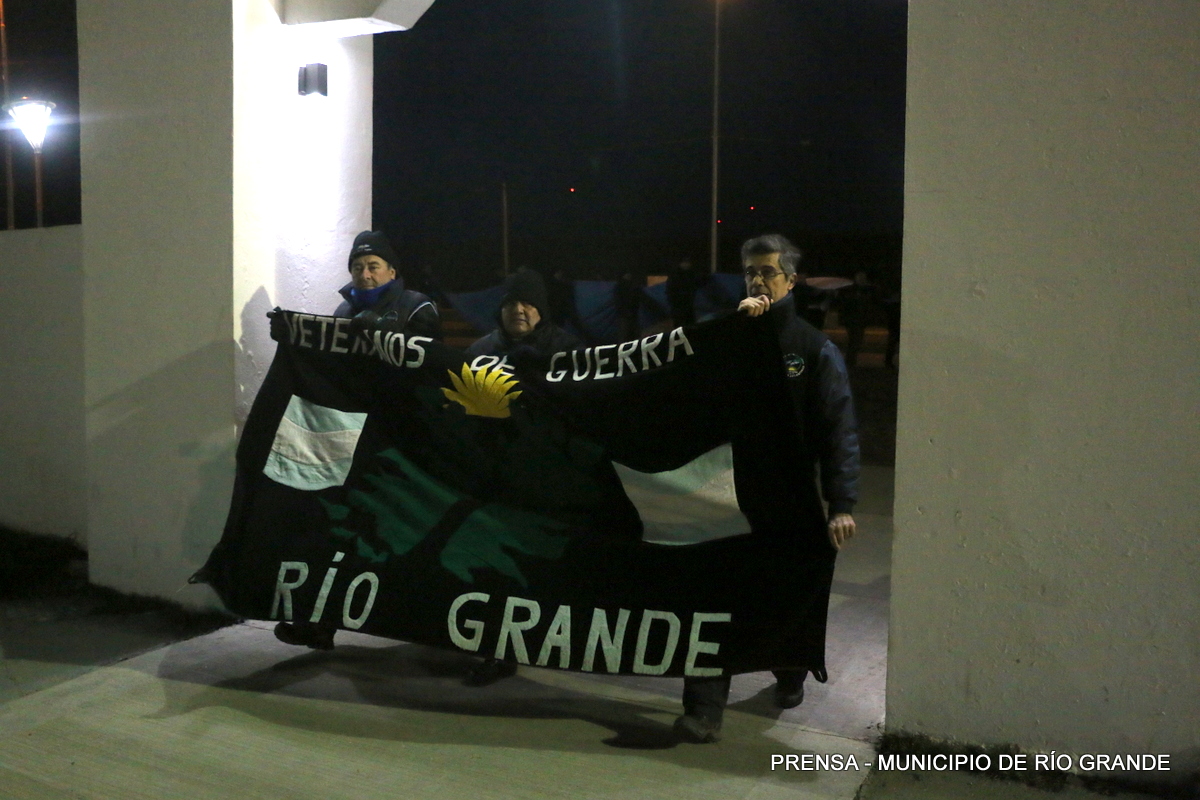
[
  {"x": 314, "y": 446},
  {"x": 692, "y": 504}
]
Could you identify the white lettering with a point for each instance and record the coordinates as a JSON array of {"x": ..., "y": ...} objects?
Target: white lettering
[
  {"x": 639, "y": 655},
  {"x": 354, "y": 623},
  {"x": 676, "y": 339},
  {"x": 470, "y": 644},
  {"x": 304, "y": 331},
  {"x": 696, "y": 646},
  {"x": 293, "y": 324},
  {"x": 377, "y": 348},
  {"x": 394, "y": 343},
  {"x": 339, "y": 334},
  {"x": 624, "y": 351},
  {"x": 511, "y": 629},
  {"x": 417, "y": 344},
  {"x": 648, "y": 345},
  {"x": 283, "y": 587},
  {"x": 552, "y": 376},
  {"x": 326, "y": 585},
  {"x": 324, "y": 330},
  {"x": 559, "y": 636},
  {"x": 610, "y": 641},
  {"x": 587, "y": 364},
  {"x": 484, "y": 362},
  {"x": 601, "y": 361}
]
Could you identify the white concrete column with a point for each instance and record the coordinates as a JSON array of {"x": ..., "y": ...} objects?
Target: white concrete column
[
  {"x": 1046, "y": 578},
  {"x": 211, "y": 192}
]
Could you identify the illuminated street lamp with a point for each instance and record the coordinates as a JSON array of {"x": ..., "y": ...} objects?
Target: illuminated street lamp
[
  {"x": 8, "y": 172},
  {"x": 32, "y": 117}
]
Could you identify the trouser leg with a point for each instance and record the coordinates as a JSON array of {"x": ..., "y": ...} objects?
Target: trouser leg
[{"x": 706, "y": 697}]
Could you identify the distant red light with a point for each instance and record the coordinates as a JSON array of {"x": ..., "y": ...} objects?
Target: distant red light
[
  {"x": 718, "y": 222},
  {"x": 751, "y": 208},
  {"x": 572, "y": 188}
]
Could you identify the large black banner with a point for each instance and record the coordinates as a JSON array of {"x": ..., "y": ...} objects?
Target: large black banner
[{"x": 387, "y": 485}]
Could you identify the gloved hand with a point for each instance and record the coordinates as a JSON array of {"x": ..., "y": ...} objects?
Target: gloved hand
[
  {"x": 363, "y": 320},
  {"x": 279, "y": 326}
]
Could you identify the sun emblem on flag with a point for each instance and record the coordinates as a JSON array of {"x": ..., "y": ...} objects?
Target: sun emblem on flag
[{"x": 483, "y": 392}]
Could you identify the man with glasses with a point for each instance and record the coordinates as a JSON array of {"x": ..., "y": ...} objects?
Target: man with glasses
[{"x": 820, "y": 390}]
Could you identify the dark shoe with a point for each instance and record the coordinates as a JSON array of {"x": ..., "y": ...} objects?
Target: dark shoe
[
  {"x": 697, "y": 730},
  {"x": 489, "y": 671},
  {"x": 305, "y": 634},
  {"x": 789, "y": 690}
]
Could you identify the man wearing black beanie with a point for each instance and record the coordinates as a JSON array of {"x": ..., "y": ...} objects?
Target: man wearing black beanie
[
  {"x": 524, "y": 320},
  {"x": 376, "y": 296},
  {"x": 524, "y": 325}
]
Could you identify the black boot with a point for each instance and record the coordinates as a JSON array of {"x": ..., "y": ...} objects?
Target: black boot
[
  {"x": 789, "y": 688},
  {"x": 489, "y": 671},
  {"x": 306, "y": 634}
]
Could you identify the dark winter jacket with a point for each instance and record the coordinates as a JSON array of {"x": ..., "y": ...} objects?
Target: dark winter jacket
[
  {"x": 544, "y": 341},
  {"x": 399, "y": 310},
  {"x": 820, "y": 388}
]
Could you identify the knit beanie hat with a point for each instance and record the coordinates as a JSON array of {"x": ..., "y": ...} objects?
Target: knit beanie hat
[
  {"x": 373, "y": 243},
  {"x": 527, "y": 286}
]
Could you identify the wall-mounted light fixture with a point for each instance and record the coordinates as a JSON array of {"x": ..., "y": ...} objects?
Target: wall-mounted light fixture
[
  {"x": 32, "y": 117},
  {"x": 314, "y": 79}
]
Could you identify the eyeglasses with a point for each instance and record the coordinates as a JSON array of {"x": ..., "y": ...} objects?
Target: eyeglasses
[{"x": 769, "y": 273}]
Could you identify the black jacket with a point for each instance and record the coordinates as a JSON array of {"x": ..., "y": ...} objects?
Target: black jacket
[
  {"x": 399, "y": 309},
  {"x": 820, "y": 388},
  {"x": 545, "y": 340}
]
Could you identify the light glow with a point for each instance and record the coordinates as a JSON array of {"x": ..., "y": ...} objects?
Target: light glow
[{"x": 32, "y": 117}]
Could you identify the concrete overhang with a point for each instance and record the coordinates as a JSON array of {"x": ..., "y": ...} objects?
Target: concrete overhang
[{"x": 342, "y": 18}]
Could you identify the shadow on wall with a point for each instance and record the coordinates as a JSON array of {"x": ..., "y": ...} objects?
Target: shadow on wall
[
  {"x": 255, "y": 351},
  {"x": 161, "y": 472}
]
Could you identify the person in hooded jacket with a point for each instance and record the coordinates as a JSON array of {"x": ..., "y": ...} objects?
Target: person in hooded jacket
[{"x": 524, "y": 320}]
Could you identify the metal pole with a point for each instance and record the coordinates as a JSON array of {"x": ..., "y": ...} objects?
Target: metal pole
[
  {"x": 504, "y": 222},
  {"x": 37, "y": 183},
  {"x": 712, "y": 263},
  {"x": 9, "y": 210}
]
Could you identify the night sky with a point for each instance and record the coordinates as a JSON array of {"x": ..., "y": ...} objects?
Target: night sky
[
  {"x": 610, "y": 97},
  {"x": 614, "y": 99}
]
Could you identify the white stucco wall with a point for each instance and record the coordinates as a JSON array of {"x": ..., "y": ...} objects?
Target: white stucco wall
[
  {"x": 211, "y": 192},
  {"x": 41, "y": 372},
  {"x": 157, "y": 111},
  {"x": 302, "y": 175},
  {"x": 1046, "y": 577}
]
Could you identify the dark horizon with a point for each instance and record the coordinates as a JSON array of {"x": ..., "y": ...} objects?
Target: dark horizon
[{"x": 614, "y": 100}]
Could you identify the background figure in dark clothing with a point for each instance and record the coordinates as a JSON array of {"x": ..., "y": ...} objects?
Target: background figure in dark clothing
[
  {"x": 681, "y": 292},
  {"x": 856, "y": 301},
  {"x": 523, "y": 322},
  {"x": 561, "y": 306},
  {"x": 820, "y": 390},
  {"x": 628, "y": 295},
  {"x": 812, "y": 304}
]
